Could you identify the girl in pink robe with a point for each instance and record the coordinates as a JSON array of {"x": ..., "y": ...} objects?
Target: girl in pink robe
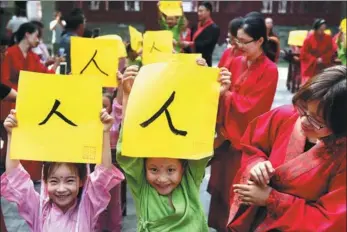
[{"x": 62, "y": 206}]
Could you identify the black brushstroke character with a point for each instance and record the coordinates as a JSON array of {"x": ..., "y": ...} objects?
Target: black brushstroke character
[
  {"x": 97, "y": 66},
  {"x": 154, "y": 48},
  {"x": 163, "y": 109},
  {"x": 60, "y": 115}
]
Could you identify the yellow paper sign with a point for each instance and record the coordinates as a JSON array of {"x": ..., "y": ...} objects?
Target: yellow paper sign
[
  {"x": 343, "y": 25},
  {"x": 327, "y": 31},
  {"x": 121, "y": 47},
  {"x": 135, "y": 39},
  {"x": 96, "y": 57},
  {"x": 58, "y": 118},
  {"x": 165, "y": 116},
  {"x": 157, "y": 46},
  {"x": 297, "y": 38},
  {"x": 171, "y": 8}
]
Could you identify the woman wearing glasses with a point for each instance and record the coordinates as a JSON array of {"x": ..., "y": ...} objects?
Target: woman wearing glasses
[
  {"x": 254, "y": 82},
  {"x": 293, "y": 175}
]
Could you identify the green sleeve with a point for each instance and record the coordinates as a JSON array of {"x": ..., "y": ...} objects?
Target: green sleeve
[
  {"x": 162, "y": 23},
  {"x": 180, "y": 23},
  {"x": 341, "y": 53},
  {"x": 132, "y": 167},
  {"x": 197, "y": 169}
]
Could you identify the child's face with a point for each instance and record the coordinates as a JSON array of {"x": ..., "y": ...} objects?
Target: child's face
[
  {"x": 164, "y": 174},
  {"x": 171, "y": 21},
  {"x": 63, "y": 186},
  {"x": 106, "y": 104}
]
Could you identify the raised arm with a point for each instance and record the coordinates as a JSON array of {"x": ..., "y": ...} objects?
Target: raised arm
[
  {"x": 9, "y": 124},
  {"x": 132, "y": 167}
]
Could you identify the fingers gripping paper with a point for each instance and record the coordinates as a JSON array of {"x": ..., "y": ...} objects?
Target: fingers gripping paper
[
  {"x": 58, "y": 119},
  {"x": 171, "y": 8},
  {"x": 167, "y": 117},
  {"x": 157, "y": 46},
  {"x": 96, "y": 57},
  {"x": 135, "y": 39}
]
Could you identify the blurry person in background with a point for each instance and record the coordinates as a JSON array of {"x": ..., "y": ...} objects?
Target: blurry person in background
[
  {"x": 317, "y": 51},
  {"x": 273, "y": 41},
  {"x": 75, "y": 26},
  {"x": 57, "y": 26}
]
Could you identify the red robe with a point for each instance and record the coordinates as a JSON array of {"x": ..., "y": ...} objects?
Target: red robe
[
  {"x": 228, "y": 55},
  {"x": 309, "y": 188},
  {"x": 12, "y": 64},
  {"x": 252, "y": 93},
  {"x": 314, "y": 47}
]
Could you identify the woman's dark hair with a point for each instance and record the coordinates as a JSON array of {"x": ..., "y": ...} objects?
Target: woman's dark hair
[
  {"x": 255, "y": 14},
  {"x": 318, "y": 23},
  {"x": 40, "y": 26},
  {"x": 329, "y": 88},
  {"x": 25, "y": 28},
  {"x": 255, "y": 28},
  {"x": 207, "y": 5},
  {"x": 234, "y": 25}
]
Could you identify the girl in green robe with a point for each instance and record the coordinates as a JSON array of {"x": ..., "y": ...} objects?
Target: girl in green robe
[{"x": 165, "y": 191}]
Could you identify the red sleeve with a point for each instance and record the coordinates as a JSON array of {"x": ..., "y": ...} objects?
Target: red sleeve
[
  {"x": 306, "y": 57},
  {"x": 329, "y": 50},
  {"x": 257, "y": 97},
  {"x": 5, "y": 70},
  {"x": 41, "y": 68},
  {"x": 224, "y": 58},
  {"x": 256, "y": 145},
  {"x": 328, "y": 213}
]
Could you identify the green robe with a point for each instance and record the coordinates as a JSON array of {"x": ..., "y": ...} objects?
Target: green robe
[
  {"x": 153, "y": 211},
  {"x": 176, "y": 30},
  {"x": 341, "y": 53}
]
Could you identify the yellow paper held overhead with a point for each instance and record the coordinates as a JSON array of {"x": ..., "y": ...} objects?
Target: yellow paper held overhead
[
  {"x": 167, "y": 117},
  {"x": 135, "y": 39},
  {"x": 297, "y": 38},
  {"x": 157, "y": 46},
  {"x": 343, "y": 25},
  {"x": 171, "y": 8},
  {"x": 73, "y": 130},
  {"x": 96, "y": 57},
  {"x": 121, "y": 47},
  {"x": 327, "y": 31}
]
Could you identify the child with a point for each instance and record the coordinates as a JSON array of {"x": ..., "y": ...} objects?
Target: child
[
  {"x": 67, "y": 207},
  {"x": 166, "y": 191},
  {"x": 174, "y": 25},
  {"x": 185, "y": 36}
]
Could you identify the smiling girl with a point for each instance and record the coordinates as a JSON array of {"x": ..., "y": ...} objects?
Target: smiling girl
[
  {"x": 166, "y": 191},
  {"x": 71, "y": 200}
]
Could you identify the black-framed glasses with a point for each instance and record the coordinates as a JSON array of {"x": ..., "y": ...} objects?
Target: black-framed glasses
[
  {"x": 314, "y": 122},
  {"x": 238, "y": 42}
]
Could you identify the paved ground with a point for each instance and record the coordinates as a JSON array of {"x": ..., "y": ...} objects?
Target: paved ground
[{"x": 15, "y": 224}]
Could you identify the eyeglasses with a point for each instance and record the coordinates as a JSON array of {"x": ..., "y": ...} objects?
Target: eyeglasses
[
  {"x": 238, "y": 42},
  {"x": 314, "y": 122}
]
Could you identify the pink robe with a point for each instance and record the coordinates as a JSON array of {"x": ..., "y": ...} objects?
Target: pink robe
[
  {"x": 309, "y": 187},
  {"x": 17, "y": 187}
]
